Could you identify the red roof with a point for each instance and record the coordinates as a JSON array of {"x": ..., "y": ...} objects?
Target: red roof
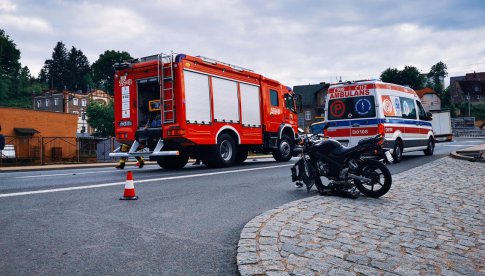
[{"x": 425, "y": 91}]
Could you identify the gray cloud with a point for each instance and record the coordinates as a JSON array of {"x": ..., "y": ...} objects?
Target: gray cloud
[{"x": 296, "y": 42}]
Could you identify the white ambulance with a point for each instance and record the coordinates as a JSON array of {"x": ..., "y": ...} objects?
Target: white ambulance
[{"x": 357, "y": 110}]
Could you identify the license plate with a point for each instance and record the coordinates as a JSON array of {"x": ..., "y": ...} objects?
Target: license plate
[{"x": 389, "y": 157}]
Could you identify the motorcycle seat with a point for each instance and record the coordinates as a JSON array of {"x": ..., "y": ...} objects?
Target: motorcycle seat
[{"x": 366, "y": 140}]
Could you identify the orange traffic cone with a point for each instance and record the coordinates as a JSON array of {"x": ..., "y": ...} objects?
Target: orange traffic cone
[{"x": 129, "y": 193}]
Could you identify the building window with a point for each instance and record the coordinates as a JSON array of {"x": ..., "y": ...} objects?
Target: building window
[
  {"x": 56, "y": 101},
  {"x": 38, "y": 103},
  {"x": 308, "y": 115},
  {"x": 83, "y": 102},
  {"x": 75, "y": 101},
  {"x": 47, "y": 102}
]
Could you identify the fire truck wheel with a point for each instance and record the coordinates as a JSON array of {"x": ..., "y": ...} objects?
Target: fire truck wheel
[
  {"x": 224, "y": 152},
  {"x": 284, "y": 151},
  {"x": 173, "y": 162},
  {"x": 242, "y": 155}
]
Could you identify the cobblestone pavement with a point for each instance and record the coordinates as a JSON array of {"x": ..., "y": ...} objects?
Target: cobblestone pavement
[{"x": 430, "y": 223}]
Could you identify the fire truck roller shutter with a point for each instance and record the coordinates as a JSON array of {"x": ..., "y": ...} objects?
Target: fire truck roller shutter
[
  {"x": 226, "y": 103},
  {"x": 197, "y": 98},
  {"x": 250, "y": 105}
]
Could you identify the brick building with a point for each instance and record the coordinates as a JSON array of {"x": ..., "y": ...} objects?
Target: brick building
[
  {"x": 71, "y": 102},
  {"x": 30, "y": 132},
  {"x": 470, "y": 89}
]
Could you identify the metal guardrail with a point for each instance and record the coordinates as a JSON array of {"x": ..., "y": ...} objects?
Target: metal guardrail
[
  {"x": 469, "y": 133},
  {"x": 26, "y": 150}
]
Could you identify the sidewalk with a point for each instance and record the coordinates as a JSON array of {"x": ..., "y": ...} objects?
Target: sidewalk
[{"x": 430, "y": 223}]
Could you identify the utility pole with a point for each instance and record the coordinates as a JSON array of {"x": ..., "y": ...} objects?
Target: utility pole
[{"x": 468, "y": 98}]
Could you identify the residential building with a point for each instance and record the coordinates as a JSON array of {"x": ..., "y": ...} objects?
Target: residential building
[
  {"x": 71, "y": 102},
  {"x": 38, "y": 136},
  {"x": 429, "y": 99},
  {"x": 313, "y": 103},
  {"x": 471, "y": 89}
]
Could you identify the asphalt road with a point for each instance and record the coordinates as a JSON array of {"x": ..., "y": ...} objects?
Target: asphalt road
[{"x": 186, "y": 222}]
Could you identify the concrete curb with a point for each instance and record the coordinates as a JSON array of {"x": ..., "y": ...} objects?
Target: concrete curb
[
  {"x": 470, "y": 154},
  {"x": 461, "y": 155}
]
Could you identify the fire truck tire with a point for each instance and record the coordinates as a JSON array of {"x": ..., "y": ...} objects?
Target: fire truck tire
[
  {"x": 241, "y": 156},
  {"x": 173, "y": 162},
  {"x": 284, "y": 151},
  {"x": 224, "y": 154}
]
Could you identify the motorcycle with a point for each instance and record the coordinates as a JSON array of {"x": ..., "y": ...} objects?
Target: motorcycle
[{"x": 350, "y": 170}]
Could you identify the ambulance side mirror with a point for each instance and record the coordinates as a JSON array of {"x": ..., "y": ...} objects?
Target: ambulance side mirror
[{"x": 429, "y": 116}]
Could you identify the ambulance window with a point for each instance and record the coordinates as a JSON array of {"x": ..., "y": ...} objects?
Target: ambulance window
[
  {"x": 352, "y": 108},
  {"x": 273, "y": 95},
  {"x": 408, "y": 108},
  {"x": 421, "y": 112}
]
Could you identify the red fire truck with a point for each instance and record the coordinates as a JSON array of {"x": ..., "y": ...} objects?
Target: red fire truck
[{"x": 172, "y": 107}]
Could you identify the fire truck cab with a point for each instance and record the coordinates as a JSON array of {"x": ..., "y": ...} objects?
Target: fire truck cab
[{"x": 172, "y": 107}]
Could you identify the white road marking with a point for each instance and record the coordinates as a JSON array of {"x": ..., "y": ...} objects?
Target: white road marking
[
  {"x": 456, "y": 145},
  {"x": 60, "y": 174},
  {"x": 138, "y": 181}
]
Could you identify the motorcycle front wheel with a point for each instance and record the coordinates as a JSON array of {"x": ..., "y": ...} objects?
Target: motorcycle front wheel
[{"x": 379, "y": 175}]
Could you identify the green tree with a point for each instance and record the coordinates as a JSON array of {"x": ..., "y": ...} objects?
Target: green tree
[
  {"x": 101, "y": 117},
  {"x": 437, "y": 73},
  {"x": 9, "y": 66},
  {"x": 391, "y": 75},
  {"x": 409, "y": 76},
  {"x": 102, "y": 69},
  {"x": 77, "y": 70},
  {"x": 54, "y": 72}
]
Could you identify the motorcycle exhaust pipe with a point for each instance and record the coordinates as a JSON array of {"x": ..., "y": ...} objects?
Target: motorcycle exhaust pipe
[{"x": 358, "y": 177}]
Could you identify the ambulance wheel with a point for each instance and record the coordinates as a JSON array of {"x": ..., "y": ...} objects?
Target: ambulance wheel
[
  {"x": 173, "y": 162},
  {"x": 430, "y": 149},
  {"x": 241, "y": 156},
  {"x": 224, "y": 154},
  {"x": 397, "y": 153},
  {"x": 284, "y": 151}
]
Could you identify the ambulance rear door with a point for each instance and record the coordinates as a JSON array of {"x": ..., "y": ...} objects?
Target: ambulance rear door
[{"x": 352, "y": 117}]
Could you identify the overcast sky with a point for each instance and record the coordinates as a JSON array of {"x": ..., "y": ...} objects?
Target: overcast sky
[{"x": 295, "y": 42}]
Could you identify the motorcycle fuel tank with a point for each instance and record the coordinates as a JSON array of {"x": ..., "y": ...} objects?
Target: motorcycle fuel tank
[{"x": 326, "y": 147}]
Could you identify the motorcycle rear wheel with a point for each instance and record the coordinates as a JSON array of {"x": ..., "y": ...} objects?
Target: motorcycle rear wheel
[{"x": 380, "y": 178}]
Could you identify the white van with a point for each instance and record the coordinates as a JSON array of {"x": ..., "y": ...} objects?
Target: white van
[{"x": 357, "y": 110}]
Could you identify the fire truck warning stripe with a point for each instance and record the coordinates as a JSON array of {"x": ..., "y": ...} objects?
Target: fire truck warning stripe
[{"x": 138, "y": 181}]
